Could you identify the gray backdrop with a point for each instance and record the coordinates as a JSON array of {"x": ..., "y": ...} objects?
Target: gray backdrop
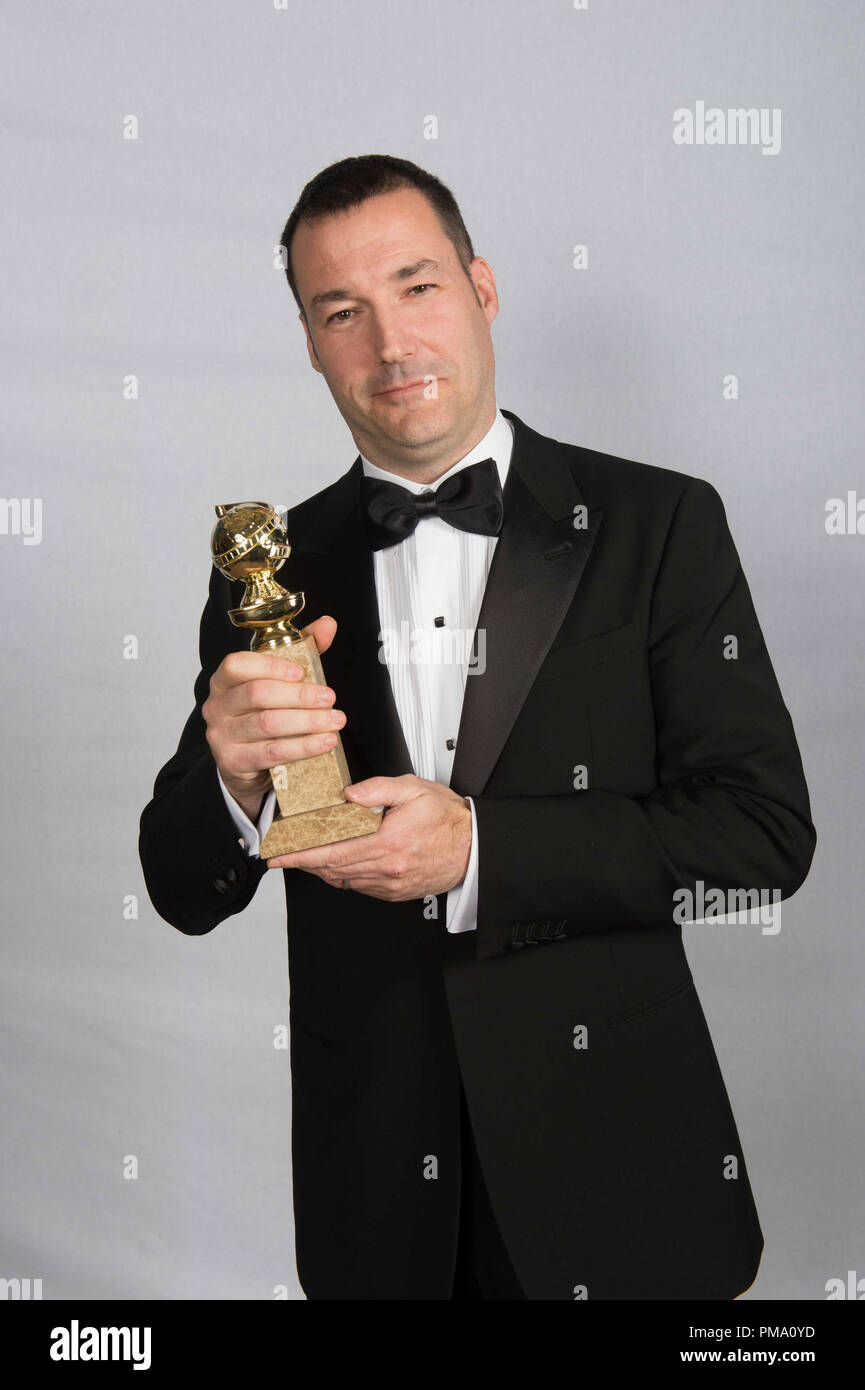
[{"x": 153, "y": 258}]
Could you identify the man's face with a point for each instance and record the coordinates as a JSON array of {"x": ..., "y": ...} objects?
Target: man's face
[{"x": 398, "y": 330}]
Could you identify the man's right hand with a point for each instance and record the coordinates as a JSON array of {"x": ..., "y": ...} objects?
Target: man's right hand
[{"x": 260, "y": 713}]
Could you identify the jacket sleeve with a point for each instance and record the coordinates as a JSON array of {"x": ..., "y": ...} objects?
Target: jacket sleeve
[
  {"x": 195, "y": 864},
  {"x": 730, "y": 806}
]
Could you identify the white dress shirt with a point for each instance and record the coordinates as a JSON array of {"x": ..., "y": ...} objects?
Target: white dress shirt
[{"x": 436, "y": 572}]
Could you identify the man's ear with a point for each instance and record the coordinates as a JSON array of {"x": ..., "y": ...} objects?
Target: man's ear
[
  {"x": 480, "y": 273},
  {"x": 310, "y": 345}
]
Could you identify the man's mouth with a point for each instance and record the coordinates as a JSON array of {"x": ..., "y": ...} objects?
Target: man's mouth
[{"x": 398, "y": 390}]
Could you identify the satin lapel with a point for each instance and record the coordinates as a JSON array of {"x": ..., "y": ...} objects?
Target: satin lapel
[{"x": 537, "y": 564}]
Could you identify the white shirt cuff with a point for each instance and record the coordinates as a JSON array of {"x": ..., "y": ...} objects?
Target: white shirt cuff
[
  {"x": 461, "y": 913},
  {"x": 250, "y": 836}
]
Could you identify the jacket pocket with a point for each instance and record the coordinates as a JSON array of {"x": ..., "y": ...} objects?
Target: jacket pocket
[{"x": 656, "y": 1001}]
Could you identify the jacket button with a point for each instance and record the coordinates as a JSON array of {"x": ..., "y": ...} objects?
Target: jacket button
[
  {"x": 232, "y": 875},
  {"x": 220, "y": 885}
]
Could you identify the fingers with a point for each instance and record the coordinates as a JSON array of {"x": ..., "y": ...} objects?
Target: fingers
[
  {"x": 266, "y": 738},
  {"x": 283, "y": 735},
  {"x": 238, "y": 667},
  {"x": 264, "y": 692},
  {"x": 261, "y": 712},
  {"x": 322, "y": 860}
]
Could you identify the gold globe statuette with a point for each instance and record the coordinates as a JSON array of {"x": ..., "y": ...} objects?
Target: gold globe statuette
[{"x": 249, "y": 543}]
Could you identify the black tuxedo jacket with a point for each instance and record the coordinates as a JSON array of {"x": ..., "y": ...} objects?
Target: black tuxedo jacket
[{"x": 611, "y": 1154}]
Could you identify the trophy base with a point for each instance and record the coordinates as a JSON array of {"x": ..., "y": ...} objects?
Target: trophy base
[{"x": 323, "y": 826}]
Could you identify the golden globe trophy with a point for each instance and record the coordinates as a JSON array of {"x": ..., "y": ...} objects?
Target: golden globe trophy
[{"x": 249, "y": 543}]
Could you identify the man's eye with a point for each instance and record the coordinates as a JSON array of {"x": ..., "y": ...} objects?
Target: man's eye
[{"x": 338, "y": 316}]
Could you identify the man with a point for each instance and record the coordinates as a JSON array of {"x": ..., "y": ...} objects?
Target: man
[{"x": 503, "y": 1085}]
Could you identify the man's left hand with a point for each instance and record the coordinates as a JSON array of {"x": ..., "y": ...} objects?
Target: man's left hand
[{"x": 421, "y": 847}]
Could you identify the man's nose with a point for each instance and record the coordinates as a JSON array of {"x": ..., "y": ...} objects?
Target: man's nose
[{"x": 393, "y": 341}]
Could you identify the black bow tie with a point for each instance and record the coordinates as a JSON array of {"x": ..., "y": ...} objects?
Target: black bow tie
[{"x": 471, "y": 500}]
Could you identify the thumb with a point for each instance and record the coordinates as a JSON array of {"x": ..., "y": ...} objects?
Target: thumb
[
  {"x": 378, "y": 791},
  {"x": 323, "y": 630}
]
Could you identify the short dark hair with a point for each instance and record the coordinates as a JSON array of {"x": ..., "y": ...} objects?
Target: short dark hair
[{"x": 352, "y": 181}]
